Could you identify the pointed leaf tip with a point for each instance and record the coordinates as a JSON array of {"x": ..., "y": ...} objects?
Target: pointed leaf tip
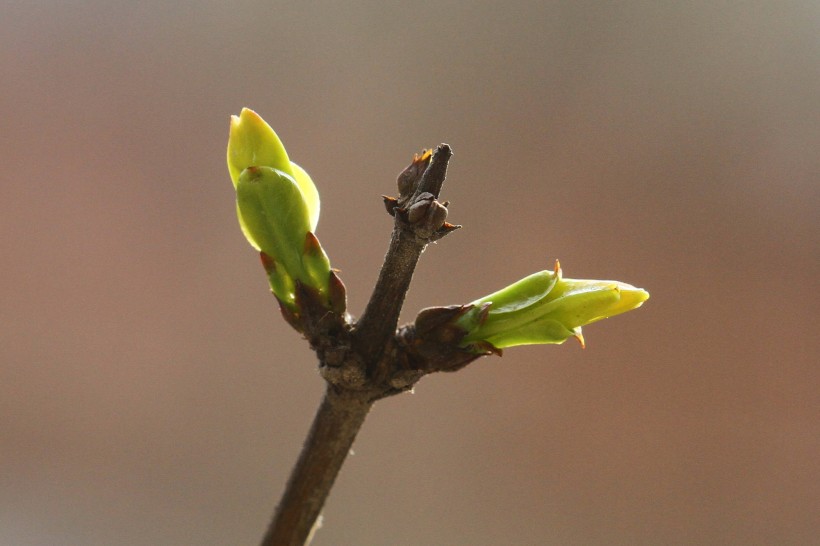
[
  {"x": 580, "y": 337},
  {"x": 312, "y": 245},
  {"x": 252, "y": 142},
  {"x": 337, "y": 294}
]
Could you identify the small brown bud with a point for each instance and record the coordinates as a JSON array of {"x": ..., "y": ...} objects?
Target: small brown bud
[{"x": 409, "y": 178}]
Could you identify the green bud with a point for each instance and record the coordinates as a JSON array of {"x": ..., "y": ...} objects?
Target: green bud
[
  {"x": 253, "y": 143},
  {"x": 280, "y": 282},
  {"x": 315, "y": 262},
  {"x": 545, "y": 308},
  {"x": 278, "y": 208},
  {"x": 273, "y": 217}
]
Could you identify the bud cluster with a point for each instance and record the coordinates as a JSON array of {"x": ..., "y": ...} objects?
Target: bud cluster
[{"x": 278, "y": 208}]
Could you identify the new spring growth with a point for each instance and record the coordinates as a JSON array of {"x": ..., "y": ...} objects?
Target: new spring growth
[
  {"x": 278, "y": 208},
  {"x": 544, "y": 308}
]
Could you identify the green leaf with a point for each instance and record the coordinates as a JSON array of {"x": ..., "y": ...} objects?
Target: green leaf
[
  {"x": 545, "y": 308},
  {"x": 273, "y": 216},
  {"x": 252, "y": 143},
  {"x": 309, "y": 193}
]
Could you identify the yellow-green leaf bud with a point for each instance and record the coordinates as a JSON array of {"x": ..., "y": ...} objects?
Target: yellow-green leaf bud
[
  {"x": 273, "y": 217},
  {"x": 253, "y": 143},
  {"x": 545, "y": 308},
  {"x": 315, "y": 262},
  {"x": 278, "y": 208}
]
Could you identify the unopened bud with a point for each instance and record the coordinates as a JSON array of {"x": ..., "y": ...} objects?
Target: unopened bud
[{"x": 545, "y": 308}]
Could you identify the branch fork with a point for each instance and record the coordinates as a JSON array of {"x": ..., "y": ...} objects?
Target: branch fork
[
  {"x": 366, "y": 360},
  {"x": 369, "y": 359}
]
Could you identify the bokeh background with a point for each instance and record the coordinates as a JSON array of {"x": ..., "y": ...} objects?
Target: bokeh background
[{"x": 151, "y": 395}]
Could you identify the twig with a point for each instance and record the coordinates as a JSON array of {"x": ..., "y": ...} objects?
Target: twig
[
  {"x": 355, "y": 360},
  {"x": 380, "y": 318},
  {"x": 334, "y": 428}
]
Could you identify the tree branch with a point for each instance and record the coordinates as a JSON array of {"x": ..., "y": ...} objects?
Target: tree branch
[
  {"x": 334, "y": 428},
  {"x": 365, "y": 361},
  {"x": 381, "y": 316},
  {"x": 380, "y": 319}
]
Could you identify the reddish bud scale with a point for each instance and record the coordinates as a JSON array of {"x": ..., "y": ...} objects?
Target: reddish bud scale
[{"x": 337, "y": 294}]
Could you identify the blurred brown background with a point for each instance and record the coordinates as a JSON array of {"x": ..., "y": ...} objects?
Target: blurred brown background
[{"x": 151, "y": 395}]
